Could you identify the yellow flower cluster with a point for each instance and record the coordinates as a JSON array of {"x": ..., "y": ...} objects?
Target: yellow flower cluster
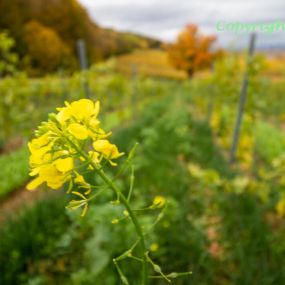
[
  {"x": 61, "y": 141},
  {"x": 158, "y": 202}
]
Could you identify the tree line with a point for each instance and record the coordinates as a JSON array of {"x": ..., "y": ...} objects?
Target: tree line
[{"x": 46, "y": 31}]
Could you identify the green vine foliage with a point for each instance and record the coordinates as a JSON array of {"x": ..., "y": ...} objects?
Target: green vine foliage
[{"x": 8, "y": 59}]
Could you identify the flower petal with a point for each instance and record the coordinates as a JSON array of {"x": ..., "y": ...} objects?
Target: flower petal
[
  {"x": 78, "y": 131},
  {"x": 64, "y": 164},
  {"x": 35, "y": 183}
]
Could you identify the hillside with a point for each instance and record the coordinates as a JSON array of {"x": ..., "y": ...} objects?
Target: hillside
[
  {"x": 46, "y": 32},
  {"x": 149, "y": 62}
]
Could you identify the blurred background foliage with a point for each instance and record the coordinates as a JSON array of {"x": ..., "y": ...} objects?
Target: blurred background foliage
[{"x": 46, "y": 33}]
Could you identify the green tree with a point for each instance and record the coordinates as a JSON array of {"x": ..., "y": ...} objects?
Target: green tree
[{"x": 8, "y": 59}]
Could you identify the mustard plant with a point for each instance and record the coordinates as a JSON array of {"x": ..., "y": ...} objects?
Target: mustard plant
[{"x": 72, "y": 144}]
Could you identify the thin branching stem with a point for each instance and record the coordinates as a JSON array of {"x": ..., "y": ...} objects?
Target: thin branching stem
[{"x": 126, "y": 203}]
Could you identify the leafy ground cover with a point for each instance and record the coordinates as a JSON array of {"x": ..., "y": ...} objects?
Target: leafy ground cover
[
  {"x": 14, "y": 171},
  {"x": 211, "y": 227}
]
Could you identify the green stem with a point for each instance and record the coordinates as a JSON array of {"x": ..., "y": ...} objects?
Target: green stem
[
  {"x": 125, "y": 201},
  {"x": 133, "y": 218}
]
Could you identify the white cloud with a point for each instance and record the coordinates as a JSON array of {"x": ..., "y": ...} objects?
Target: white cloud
[{"x": 164, "y": 19}]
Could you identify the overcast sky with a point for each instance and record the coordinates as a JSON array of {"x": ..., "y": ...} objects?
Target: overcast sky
[{"x": 164, "y": 19}]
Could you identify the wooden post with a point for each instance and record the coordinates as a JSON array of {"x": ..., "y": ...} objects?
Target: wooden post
[
  {"x": 242, "y": 101},
  {"x": 81, "y": 49}
]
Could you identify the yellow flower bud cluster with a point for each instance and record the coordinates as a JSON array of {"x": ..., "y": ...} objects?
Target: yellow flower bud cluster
[{"x": 57, "y": 149}]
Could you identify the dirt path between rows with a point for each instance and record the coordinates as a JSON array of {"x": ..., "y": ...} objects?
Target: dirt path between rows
[
  {"x": 12, "y": 145},
  {"x": 17, "y": 201}
]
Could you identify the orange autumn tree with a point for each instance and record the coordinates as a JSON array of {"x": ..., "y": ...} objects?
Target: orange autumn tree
[
  {"x": 192, "y": 51},
  {"x": 44, "y": 46}
]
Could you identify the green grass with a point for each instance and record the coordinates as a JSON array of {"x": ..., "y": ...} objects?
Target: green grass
[
  {"x": 28, "y": 240},
  {"x": 170, "y": 137},
  {"x": 270, "y": 142},
  {"x": 14, "y": 171}
]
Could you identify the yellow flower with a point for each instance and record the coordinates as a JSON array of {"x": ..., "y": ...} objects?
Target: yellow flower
[
  {"x": 63, "y": 115},
  {"x": 49, "y": 174},
  {"x": 39, "y": 156},
  {"x": 280, "y": 207},
  {"x": 52, "y": 158},
  {"x": 39, "y": 142},
  {"x": 108, "y": 150},
  {"x": 83, "y": 109},
  {"x": 154, "y": 247},
  {"x": 79, "y": 179},
  {"x": 64, "y": 164},
  {"x": 96, "y": 109},
  {"x": 55, "y": 173},
  {"x": 78, "y": 131},
  {"x": 35, "y": 183},
  {"x": 94, "y": 156},
  {"x": 158, "y": 202},
  {"x": 94, "y": 123}
]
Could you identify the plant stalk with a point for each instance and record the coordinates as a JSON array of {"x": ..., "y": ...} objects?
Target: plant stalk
[{"x": 126, "y": 203}]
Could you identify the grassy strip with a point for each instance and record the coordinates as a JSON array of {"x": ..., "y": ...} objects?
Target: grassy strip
[
  {"x": 270, "y": 141},
  {"x": 14, "y": 171},
  {"x": 49, "y": 250},
  {"x": 31, "y": 237}
]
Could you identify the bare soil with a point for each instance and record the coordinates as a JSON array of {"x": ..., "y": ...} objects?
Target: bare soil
[{"x": 17, "y": 201}]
